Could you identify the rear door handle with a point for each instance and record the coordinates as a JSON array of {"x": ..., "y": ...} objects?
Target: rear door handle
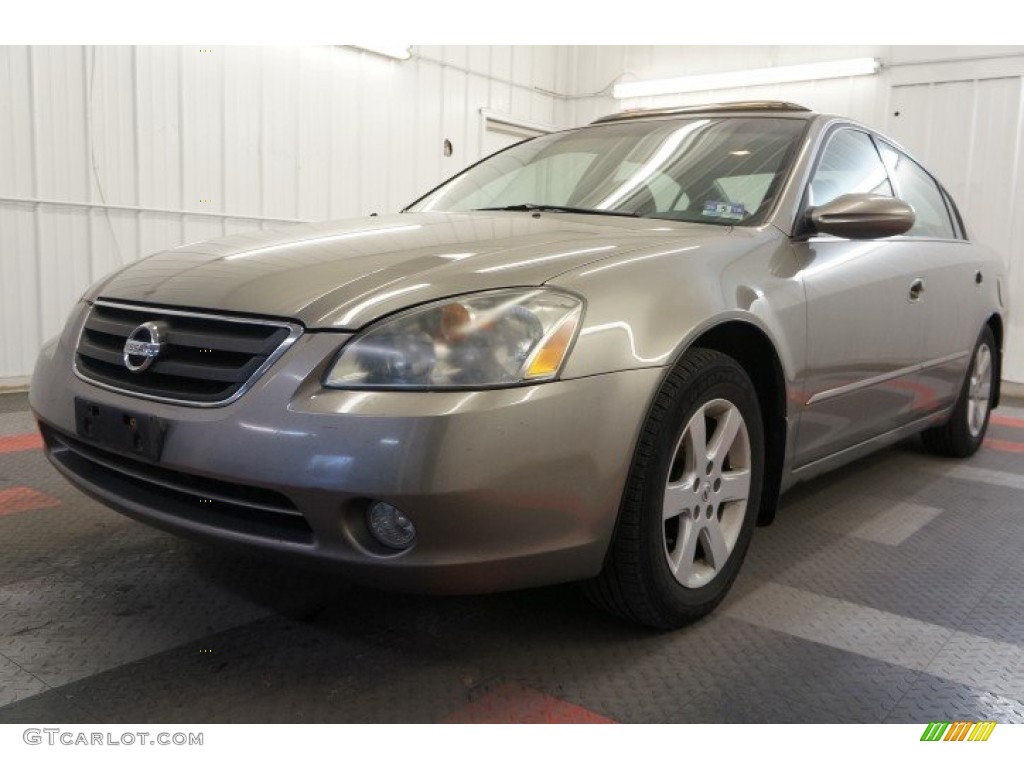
[{"x": 916, "y": 289}]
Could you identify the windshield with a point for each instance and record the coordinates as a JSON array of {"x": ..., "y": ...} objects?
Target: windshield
[{"x": 718, "y": 170}]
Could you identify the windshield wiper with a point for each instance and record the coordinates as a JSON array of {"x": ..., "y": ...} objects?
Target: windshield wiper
[{"x": 560, "y": 209}]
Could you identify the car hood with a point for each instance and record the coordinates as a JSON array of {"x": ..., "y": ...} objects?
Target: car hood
[{"x": 345, "y": 274}]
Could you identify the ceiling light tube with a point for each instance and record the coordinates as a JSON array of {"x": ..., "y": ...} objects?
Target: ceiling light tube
[
  {"x": 823, "y": 70},
  {"x": 400, "y": 52}
]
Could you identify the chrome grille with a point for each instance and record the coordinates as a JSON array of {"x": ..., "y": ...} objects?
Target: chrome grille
[{"x": 206, "y": 359}]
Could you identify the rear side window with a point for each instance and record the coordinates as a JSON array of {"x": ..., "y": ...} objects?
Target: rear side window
[
  {"x": 920, "y": 190},
  {"x": 850, "y": 164}
]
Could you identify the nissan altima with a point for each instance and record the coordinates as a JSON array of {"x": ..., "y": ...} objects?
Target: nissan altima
[{"x": 599, "y": 355}]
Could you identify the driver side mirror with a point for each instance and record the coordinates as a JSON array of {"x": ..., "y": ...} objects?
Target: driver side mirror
[{"x": 862, "y": 217}]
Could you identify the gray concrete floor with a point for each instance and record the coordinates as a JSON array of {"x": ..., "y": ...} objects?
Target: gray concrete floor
[{"x": 889, "y": 591}]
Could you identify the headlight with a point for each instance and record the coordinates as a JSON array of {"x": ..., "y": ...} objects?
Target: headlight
[{"x": 484, "y": 340}]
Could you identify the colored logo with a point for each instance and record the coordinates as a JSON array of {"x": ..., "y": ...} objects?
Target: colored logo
[{"x": 960, "y": 730}]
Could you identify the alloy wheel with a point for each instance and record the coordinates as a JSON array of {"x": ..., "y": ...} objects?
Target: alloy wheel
[
  {"x": 707, "y": 493},
  {"x": 979, "y": 390}
]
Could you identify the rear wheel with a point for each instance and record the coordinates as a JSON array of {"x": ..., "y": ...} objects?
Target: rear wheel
[
  {"x": 692, "y": 497},
  {"x": 963, "y": 434}
]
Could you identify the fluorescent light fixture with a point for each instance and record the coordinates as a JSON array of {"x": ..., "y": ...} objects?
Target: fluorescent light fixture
[
  {"x": 823, "y": 70},
  {"x": 400, "y": 52}
]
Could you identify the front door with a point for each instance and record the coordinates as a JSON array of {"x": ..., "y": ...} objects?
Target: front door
[{"x": 865, "y": 315}]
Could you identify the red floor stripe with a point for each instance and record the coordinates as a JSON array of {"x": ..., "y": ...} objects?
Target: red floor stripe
[
  {"x": 516, "y": 703},
  {"x": 1008, "y": 446},
  {"x": 1006, "y": 421},
  {"x": 21, "y": 498},
  {"x": 16, "y": 443}
]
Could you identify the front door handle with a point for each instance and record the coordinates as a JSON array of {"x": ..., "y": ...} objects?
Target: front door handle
[{"x": 916, "y": 289}]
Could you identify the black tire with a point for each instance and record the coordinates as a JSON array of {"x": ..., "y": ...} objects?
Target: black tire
[
  {"x": 958, "y": 437},
  {"x": 637, "y": 582}
]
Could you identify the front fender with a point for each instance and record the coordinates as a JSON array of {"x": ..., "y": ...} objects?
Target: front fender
[{"x": 645, "y": 311}]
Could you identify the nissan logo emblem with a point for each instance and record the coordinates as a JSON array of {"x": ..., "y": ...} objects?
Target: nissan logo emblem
[{"x": 142, "y": 347}]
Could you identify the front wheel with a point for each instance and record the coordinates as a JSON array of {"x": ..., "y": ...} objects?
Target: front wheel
[
  {"x": 692, "y": 497},
  {"x": 963, "y": 434}
]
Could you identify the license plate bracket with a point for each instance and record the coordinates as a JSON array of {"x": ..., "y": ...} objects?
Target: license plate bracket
[{"x": 119, "y": 430}]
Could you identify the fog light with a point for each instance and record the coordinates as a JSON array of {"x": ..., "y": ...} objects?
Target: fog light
[{"x": 389, "y": 526}]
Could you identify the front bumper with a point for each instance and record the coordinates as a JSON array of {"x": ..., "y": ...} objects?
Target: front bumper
[{"x": 507, "y": 488}]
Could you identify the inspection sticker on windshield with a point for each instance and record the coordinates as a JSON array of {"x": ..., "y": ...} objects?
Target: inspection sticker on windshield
[{"x": 724, "y": 210}]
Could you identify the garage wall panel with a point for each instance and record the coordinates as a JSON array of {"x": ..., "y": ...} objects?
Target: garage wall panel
[
  {"x": 313, "y": 144},
  {"x": 160, "y": 231},
  {"x": 456, "y": 55},
  {"x": 16, "y": 168},
  {"x": 64, "y": 239},
  {"x": 243, "y": 130},
  {"x": 948, "y": 152},
  {"x": 113, "y": 169},
  {"x": 110, "y": 111},
  {"x": 158, "y": 119},
  {"x": 477, "y": 90},
  {"x": 427, "y": 137},
  {"x": 60, "y": 121},
  {"x": 522, "y": 69},
  {"x": 19, "y": 285},
  {"x": 400, "y": 152},
  {"x": 280, "y": 121},
  {"x": 197, "y": 228},
  {"x": 61, "y": 167},
  {"x": 501, "y": 63},
  {"x": 111, "y": 153},
  {"x": 343, "y": 190},
  {"x": 908, "y": 121},
  {"x": 377, "y": 112},
  {"x": 594, "y": 68},
  {"x": 114, "y": 237},
  {"x": 454, "y": 126},
  {"x": 542, "y": 109},
  {"x": 479, "y": 58},
  {"x": 992, "y": 174}
]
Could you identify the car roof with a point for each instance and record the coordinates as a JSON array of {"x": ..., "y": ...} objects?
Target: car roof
[{"x": 749, "y": 107}]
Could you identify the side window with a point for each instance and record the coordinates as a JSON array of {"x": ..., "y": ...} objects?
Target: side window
[
  {"x": 850, "y": 164},
  {"x": 920, "y": 190}
]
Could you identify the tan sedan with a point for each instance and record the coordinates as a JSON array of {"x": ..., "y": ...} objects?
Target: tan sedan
[{"x": 597, "y": 356}]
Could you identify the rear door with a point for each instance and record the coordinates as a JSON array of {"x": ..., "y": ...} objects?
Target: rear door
[
  {"x": 865, "y": 317},
  {"x": 951, "y": 281}
]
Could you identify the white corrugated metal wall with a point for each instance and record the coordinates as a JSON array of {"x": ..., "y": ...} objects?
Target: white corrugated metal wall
[
  {"x": 108, "y": 154},
  {"x": 111, "y": 153},
  {"x": 957, "y": 108}
]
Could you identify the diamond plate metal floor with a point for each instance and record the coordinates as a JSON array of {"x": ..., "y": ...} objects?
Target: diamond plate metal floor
[{"x": 889, "y": 591}]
